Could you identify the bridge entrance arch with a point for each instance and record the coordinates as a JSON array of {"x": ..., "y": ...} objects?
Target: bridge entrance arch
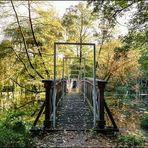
[{"x": 94, "y": 77}]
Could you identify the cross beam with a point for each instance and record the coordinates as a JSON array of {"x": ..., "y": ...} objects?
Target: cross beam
[{"x": 74, "y": 43}]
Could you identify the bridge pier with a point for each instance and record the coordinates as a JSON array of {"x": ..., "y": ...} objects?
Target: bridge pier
[
  {"x": 48, "y": 85},
  {"x": 100, "y": 89}
]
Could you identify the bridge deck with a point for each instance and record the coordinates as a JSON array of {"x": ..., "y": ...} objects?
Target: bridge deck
[{"x": 73, "y": 113}]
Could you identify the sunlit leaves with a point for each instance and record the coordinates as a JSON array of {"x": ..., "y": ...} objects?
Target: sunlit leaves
[
  {"x": 117, "y": 65},
  {"x": 78, "y": 21},
  {"x": 48, "y": 27},
  {"x": 139, "y": 21},
  {"x": 122, "y": 3}
]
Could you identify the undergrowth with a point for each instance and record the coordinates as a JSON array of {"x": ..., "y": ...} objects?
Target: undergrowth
[
  {"x": 130, "y": 140},
  {"x": 13, "y": 130},
  {"x": 144, "y": 122}
]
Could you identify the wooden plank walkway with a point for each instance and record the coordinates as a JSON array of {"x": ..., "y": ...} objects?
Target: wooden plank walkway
[{"x": 73, "y": 113}]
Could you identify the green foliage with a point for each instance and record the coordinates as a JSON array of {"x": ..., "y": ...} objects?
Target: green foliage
[
  {"x": 139, "y": 21},
  {"x": 13, "y": 132},
  {"x": 110, "y": 9},
  {"x": 130, "y": 140},
  {"x": 9, "y": 138},
  {"x": 144, "y": 61},
  {"x": 144, "y": 121},
  {"x": 77, "y": 21},
  {"x": 121, "y": 89},
  {"x": 121, "y": 3},
  {"x": 137, "y": 41},
  {"x": 47, "y": 28}
]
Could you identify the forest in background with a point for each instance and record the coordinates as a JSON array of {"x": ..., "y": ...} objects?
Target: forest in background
[{"x": 26, "y": 58}]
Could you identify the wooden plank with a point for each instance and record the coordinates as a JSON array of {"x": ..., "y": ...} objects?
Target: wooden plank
[
  {"x": 110, "y": 115},
  {"x": 39, "y": 114}
]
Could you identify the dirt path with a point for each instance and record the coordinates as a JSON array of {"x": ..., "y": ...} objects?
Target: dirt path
[{"x": 74, "y": 139}]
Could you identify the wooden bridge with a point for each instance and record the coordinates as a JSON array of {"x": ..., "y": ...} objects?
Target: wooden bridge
[{"x": 83, "y": 107}]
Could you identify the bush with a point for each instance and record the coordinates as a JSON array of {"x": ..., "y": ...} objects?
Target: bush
[
  {"x": 9, "y": 138},
  {"x": 144, "y": 121},
  {"x": 13, "y": 131},
  {"x": 130, "y": 140}
]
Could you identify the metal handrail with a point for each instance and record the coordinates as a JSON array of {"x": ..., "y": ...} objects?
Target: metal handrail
[{"x": 101, "y": 105}]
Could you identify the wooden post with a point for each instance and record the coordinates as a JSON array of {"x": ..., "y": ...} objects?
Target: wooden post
[
  {"x": 65, "y": 86},
  {"x": 48, "y": 89},
  {"x": 101, "y": 86}
]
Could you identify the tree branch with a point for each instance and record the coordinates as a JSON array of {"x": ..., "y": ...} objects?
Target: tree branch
[
  {"x": 120, "y": 10},
  {"x": 24, "y": 41},
  {"x": 36, "y": 43},
  {"x": 25, "y": 87},
  {"x": 23, "y": 64}
]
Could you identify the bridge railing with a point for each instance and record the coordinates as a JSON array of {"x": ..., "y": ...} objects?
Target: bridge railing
[
  {"x": 60, "y": 89},
  {"x": 87, "y": 90},
  {"x": 102, "y": 108}
]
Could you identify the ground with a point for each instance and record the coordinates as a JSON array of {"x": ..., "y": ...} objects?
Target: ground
[
  {"x": 73, "y": 113},
  {"x": 75, "y": 139}
]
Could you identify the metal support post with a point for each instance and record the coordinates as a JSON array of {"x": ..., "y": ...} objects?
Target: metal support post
[
  {"x": 63, "y": 81},
  {"x": 54, "y": 88},
  {"x": 94, "y": 85},
  {"x": 84, "y": 79}
]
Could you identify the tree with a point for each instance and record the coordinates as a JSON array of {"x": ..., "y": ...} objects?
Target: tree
[
  {"x": 115, "y": 8},
  {"x": 118, "y": 67},
  {"x": 29, "y": 42},
  {"x": 34, "y": 37},
  {"x": 78, "y": 22},
  {"x": 137, "y": 37}
]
